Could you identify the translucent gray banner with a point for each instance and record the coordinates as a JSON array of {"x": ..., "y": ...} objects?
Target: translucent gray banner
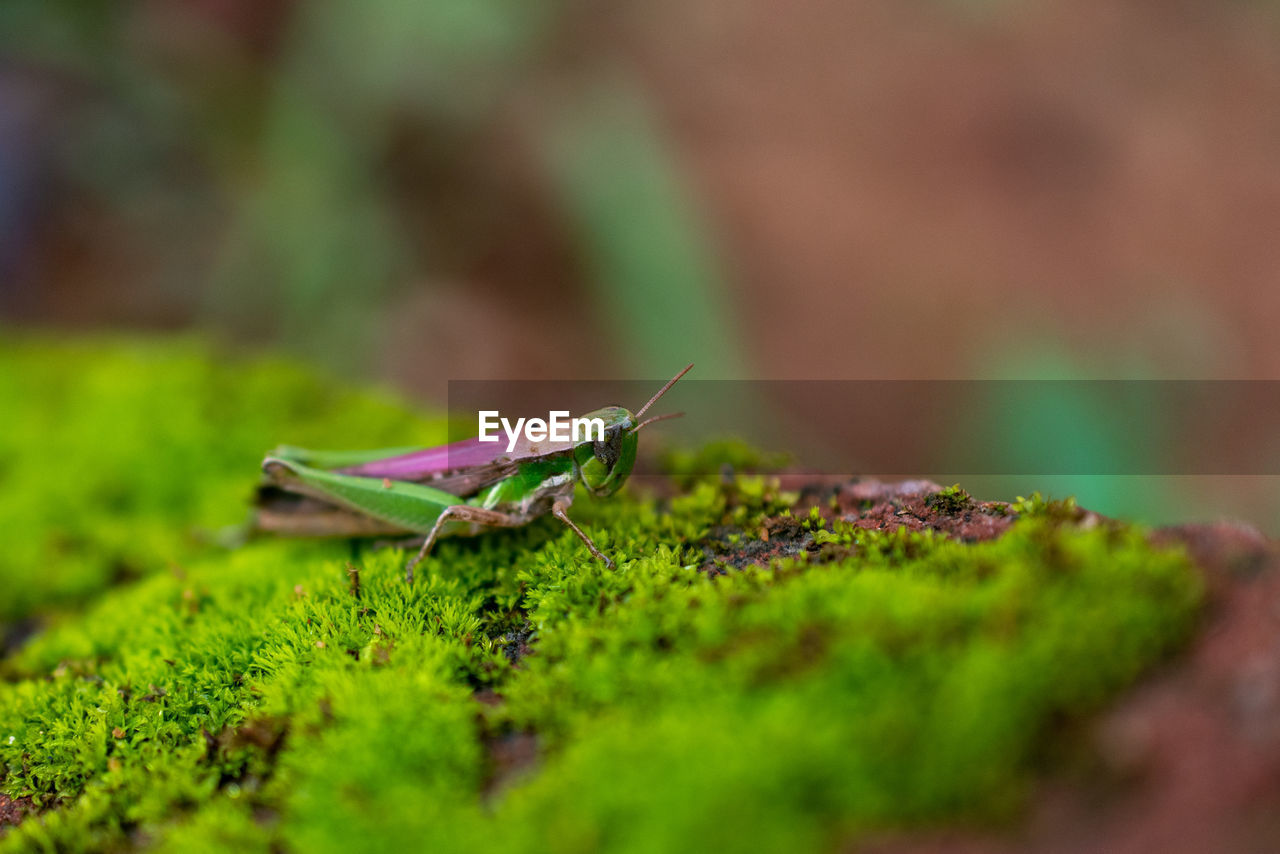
[{"x": 934, "y": 427}]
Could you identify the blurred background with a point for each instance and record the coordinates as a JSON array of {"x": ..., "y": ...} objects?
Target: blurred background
[{"x": 417, "y": 192}]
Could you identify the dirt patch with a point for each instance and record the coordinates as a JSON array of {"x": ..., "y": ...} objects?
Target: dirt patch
[
  {"x": 729, "y": 547},
  {"x": 516, "y": 643},
  {"x": 1189, "y": 759},
  {"x": 510, "y": 756},
  {"x": 917, "y": 505},
  {"x": 12, "y": 811},
  {"x": 234, "y": 748},
  {"x": 922, "y": 506}
]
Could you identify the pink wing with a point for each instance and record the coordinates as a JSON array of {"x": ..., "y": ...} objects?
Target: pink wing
[
  {"x": 422, "y": 465},
  {"x": 431, "y": 463}
]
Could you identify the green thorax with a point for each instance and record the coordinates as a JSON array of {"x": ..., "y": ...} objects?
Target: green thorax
[{"x": 532, "y": 479}]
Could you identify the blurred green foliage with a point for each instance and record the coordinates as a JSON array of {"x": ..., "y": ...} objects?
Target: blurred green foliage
[
  {"x": 300, "y": 193},
  {"x": 1097, "y": 431},
  {"x": 318, "y": 246},
  {"x": 641, "y": 235},
  {"x": 121, "y": 458},
  {"x": 264, "y": 699}
]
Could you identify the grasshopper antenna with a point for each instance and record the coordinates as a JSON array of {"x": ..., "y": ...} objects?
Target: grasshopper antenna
[
  {"x": 662, "y": 391},
  {"x": 636, "y": 429}
]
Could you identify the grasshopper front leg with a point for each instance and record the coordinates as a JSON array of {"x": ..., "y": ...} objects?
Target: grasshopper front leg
[
  {"x": 492, "y": 518},
  {"x": 463, "y": 513},
  {"x": 558, "y": 508}
]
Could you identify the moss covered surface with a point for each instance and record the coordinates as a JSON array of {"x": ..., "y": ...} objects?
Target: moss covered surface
[{"x": 518, "y": 697}]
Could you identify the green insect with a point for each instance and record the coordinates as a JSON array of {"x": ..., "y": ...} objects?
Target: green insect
[{"x": 459, "y": 489}]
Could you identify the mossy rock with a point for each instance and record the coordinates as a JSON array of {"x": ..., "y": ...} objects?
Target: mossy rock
[{"x": 174, "y": 694}]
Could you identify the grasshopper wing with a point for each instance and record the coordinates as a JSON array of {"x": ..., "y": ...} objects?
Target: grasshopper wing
[{"x": 462, "y": 468}]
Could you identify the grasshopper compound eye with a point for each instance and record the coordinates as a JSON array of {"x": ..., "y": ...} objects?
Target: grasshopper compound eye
[{"x": 608, "y": 450}]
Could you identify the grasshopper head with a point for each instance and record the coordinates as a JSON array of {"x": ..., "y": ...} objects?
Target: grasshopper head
[{"x": 606, "y": 464}]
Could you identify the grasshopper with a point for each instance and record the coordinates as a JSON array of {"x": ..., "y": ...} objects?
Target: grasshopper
[{"x": 457, "y": 489}]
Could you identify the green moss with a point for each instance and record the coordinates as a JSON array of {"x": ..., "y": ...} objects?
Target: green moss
[
  {"x": 950, "y": 501},
  {"x": 250, "y": 699},
  {"x": 118, "y": 459}
]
